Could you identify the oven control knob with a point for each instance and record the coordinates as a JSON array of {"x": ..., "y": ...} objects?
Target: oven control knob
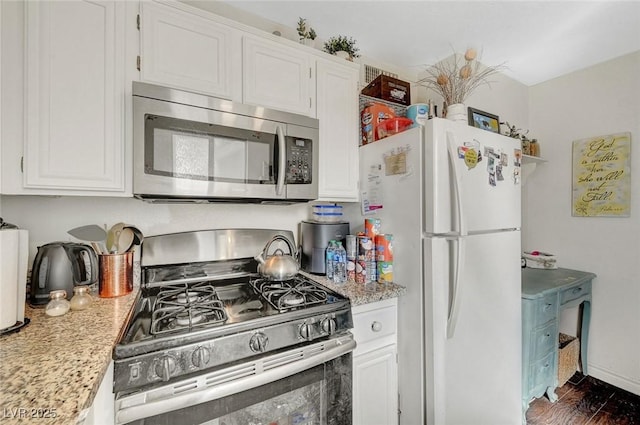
[
  {"x": 200, "y": 356},
  {"x": 306, "y": 331},
  {"x": 258, "y": 342},
  {"x": 165, "y": 366},
  {"x": 328, "y": 325}
]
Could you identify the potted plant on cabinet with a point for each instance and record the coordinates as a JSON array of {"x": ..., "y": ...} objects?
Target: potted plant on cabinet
[
  {"x": 307, "y": 37},
  {"x": 342, "y": 46}
]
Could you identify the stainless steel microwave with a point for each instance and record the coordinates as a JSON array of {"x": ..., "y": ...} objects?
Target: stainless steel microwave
[{"x": 189, "y": 147}]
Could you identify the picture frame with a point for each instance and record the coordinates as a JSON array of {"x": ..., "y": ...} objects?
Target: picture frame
[{"x": 483, "y": 120}]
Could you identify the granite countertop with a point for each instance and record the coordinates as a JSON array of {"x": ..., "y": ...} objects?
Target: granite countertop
[
  {"x": 54, "y": 365},
  {"x": 357, "y": 292}
]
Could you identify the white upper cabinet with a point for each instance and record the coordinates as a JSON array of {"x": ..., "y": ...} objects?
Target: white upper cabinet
[
  {"x": 337, "y": 100},
  {"x": 74, "y": 137},
  {"x": 278, "y": 76},
  {"x": 187, "y": 50}
]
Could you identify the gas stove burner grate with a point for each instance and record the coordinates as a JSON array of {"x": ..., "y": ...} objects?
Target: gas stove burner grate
[
  {"x": 290, "y": 294},
  {"x": 179, "y": 307}
]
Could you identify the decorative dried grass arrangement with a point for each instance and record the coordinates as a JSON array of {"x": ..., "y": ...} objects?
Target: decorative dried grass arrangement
[{"x": 455, "y": 80}]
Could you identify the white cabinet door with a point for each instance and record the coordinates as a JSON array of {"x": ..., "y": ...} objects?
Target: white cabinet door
[
  {"x": 102, "y": 410},
  {"x": 337, "y": 110},
  {"x": 189, "y": 51},
  {"x": 277, "y": 76},
  {"x": 375, "y": 367},
  {"x": 375, "y": 387},
  {"x": 75, "y": 95}
]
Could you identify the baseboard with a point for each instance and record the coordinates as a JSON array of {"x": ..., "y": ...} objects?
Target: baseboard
[{"x": 614, "y": 379}]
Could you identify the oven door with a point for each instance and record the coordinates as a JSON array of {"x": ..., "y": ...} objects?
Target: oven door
[{"x": 307, "y": 385}]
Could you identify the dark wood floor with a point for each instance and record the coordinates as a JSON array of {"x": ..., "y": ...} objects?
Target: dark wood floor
[{"x": 586, "y": 400}]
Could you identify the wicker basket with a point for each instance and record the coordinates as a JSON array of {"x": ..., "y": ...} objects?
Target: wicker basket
[{"x": 568, "y": 351}]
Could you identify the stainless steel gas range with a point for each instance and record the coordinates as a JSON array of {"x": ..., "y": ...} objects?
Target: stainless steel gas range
[{"x": 212, "y": 342}]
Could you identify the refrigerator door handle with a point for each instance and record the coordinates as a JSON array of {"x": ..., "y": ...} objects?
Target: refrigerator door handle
[
  {"x": 456, "y": 184},
  {"x": 455, "y": 294}
]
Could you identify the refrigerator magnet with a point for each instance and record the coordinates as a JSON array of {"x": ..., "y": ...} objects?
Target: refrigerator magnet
[
  {"x": 517, "y": 157},
  {"x": 516, "y": 175},
  {"x": 499, "y": 175},
  {"x": 492, "y": 179},
  {"x": 491, "y": 164},
  {"x": 471, "y": 158}
]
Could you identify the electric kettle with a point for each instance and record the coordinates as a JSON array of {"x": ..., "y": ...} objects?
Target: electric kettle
[{"x": 61, "y": 266}]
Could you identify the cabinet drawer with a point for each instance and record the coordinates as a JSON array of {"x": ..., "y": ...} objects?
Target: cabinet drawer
[
  {"x": 373, "y": 324},
  {"x": 542, "y": 372},
  {"x": 544, "y": 340},
  {"x": 574, "y": 293},
  {"x": 546, "y": 309}
]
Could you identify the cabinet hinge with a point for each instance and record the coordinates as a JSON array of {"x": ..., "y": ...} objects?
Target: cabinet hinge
[
  {"x": 138, "y": 62},
  {"x": 138, "y": 21},
  {"x": 22, "y": 164}
]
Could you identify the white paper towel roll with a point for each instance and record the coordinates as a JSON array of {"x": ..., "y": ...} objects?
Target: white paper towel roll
[{"x": 13, "y": 276}]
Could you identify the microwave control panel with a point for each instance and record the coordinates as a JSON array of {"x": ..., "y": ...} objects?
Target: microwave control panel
[{"x": 299, "y": 160}]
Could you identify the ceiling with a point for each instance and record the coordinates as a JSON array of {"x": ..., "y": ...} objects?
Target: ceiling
[{"x": 536, "y": 40}]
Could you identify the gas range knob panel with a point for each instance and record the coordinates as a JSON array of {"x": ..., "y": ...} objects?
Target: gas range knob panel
[
  {"x": 200, "y": 356},
  {"x": 165, "y": 366},
  {"x": 328, "y": 325},
  {"x": 306, "y": 331},
  {"x": 258, "y": 342}
]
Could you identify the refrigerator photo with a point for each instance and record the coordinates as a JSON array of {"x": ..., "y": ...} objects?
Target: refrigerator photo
[{"x": 449, "y": 194}]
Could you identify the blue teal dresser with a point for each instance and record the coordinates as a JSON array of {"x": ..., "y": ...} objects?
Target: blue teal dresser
[{"x": 544, "y": 294}]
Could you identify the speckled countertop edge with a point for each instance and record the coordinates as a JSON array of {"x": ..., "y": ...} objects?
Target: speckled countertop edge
[
  {"x": 358, "y": 293},
  {"x": 54, "y": 365}
]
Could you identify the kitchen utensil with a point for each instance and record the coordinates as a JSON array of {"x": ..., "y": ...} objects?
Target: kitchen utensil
[
  {"x": 13, "y": 276},
  {"x": 138, "y": 237},
  {"x": 124, "y": 242},
  {"x": 278, "y": 266},
  {"x": 91, "y": 233},
  {"x": 116, "y": 274},
  {"x": 112, "y": 237},
  {"x": 61, "y": 266}
]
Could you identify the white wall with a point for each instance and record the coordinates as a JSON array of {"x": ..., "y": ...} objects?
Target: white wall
[
  {"x": 49, "y": 218},
  {"x": 601, "y": 100}
]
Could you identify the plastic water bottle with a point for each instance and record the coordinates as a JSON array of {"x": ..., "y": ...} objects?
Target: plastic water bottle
[
  {"x": 331, "y": 249},
  {"x": 340, "y": 264}
]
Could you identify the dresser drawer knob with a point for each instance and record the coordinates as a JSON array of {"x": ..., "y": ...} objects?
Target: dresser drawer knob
[
  {"x": 376, "y": 326},
  {"x": 576, "y": 290}
]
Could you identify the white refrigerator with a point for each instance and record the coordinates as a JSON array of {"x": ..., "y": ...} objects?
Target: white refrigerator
[{"x": 449, "y": 194}]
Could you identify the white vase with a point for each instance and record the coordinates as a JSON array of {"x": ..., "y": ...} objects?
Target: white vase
[
  {"x": 308, "y": 42},
  {"x": 457, "y": 112},
  {"x": 342, "y": 54}
]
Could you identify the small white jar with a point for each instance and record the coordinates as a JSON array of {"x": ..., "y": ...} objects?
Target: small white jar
[
  {"x": 58, "y": 304},
  {"x": 81, "y": 298}
]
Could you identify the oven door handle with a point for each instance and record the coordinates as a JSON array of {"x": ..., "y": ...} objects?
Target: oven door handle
[
  {"x": 145, "y": 404},
  {"x": 282, "y": 160}
]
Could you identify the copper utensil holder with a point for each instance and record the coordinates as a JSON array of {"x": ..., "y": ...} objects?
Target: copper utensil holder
[{"x": 116, "y": 274}]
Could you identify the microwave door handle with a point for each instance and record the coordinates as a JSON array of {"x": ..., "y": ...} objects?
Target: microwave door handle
[{"x": 282, "y": 159}]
